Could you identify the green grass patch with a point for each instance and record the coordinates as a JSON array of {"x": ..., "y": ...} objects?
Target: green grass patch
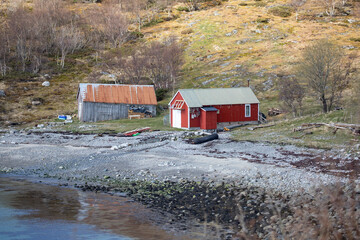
[
  {"x": 355, "y": 39},
  {"x": 183, "y": 9},
  {"x": 118, "y": 126},
  {"x": 282, "y": 132}
]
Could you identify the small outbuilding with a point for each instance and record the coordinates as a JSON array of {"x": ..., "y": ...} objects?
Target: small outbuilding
[
  {"x": 100, "y": 102},
  {"x": 213, "y": 107}
]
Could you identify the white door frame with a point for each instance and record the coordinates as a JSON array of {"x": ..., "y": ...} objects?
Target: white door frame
[{"x": 176, "y": 118}]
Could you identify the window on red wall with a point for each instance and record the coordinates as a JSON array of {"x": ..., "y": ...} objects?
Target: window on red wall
[{"x": 247, "y": 110}]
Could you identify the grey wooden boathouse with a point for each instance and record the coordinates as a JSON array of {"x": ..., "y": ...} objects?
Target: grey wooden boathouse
[{"x": 100, "y": 102}]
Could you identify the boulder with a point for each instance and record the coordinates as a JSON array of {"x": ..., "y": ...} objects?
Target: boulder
[
  {"x": 2, "y": 93},
  {"x": 36, "y": 103},
  {"x": 46, "y": 84}
]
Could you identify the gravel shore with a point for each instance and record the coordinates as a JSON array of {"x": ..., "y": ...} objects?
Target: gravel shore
[
  {"x": 258, "y": 189},
  {"x": 164, "y": 156}
]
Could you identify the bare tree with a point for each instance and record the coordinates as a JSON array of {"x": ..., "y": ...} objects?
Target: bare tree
[
  {"x": 155, "y": 55},
  {"x": 112, "y": 24},
  {"x": 327, "y": 70},
  {"x": 297, "y": 4},
  {"x": 4, "y": 51},
  {"x": 164, "y": 62},
  {"x": 68, "y": 39},
  {"x": 134, "y": 67},
  {"x": 330, "y": 6},
  {"x": 33, "y": 32},
  {"x": 48, "y": 16},
  {"x": 21, "y": 34},
  {"x": 291, "y": 93},
  {"x": 136, "y": 8},
  {"x": 173, "y": 56}
]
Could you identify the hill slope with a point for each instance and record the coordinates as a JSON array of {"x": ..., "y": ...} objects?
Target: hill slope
[{"x": 225, "y": 46}]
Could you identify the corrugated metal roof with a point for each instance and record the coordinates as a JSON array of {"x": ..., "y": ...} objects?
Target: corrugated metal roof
[
  {"x": 118, "y": 93},
  {"x": 218, "y": 96}
]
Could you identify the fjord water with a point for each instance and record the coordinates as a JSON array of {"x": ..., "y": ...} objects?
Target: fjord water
[{"x": 38, "y": 211}]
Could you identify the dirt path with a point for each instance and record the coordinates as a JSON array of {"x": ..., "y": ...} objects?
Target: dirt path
[{"x": 167, "y": 156}]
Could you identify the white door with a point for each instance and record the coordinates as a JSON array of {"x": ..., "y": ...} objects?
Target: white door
[
  {"x": 80, "y": 111},
  {"x": 176, "y": 118}
]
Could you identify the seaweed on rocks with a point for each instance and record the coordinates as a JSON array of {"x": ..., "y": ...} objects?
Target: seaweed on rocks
[{"x": 239, "y": 207}]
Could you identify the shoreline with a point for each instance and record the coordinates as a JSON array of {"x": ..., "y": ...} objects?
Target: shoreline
[
  {"x": 168, "y": 156},
  {"x": 219, "y": 182}
]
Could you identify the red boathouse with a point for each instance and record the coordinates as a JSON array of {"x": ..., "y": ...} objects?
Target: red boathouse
[{"x": 209, "y": 108}]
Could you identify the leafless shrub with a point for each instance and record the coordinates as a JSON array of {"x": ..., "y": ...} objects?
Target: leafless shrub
[{"x": 291, "y": 93}]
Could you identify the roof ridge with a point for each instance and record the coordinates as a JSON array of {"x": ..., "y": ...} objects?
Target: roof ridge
[{"x": 109, "y": 84}]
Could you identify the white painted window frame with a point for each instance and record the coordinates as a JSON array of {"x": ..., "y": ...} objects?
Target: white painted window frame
[{"x": 248, "y": 105}]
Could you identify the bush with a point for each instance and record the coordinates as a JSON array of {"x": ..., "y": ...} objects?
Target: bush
[
  {"x": 135, "y": 35},
  {"x": 153, "y": 22},
  {"x": 355, "y": 39},
  {"x": 187, "y": 31},
  {"x": 281, "y": 11},
  {"x": 183, "y": 9},
  {"x": 259, "y": 4},
  {"x": 263, "y": 20},
  {"x": 161, "y": 93}
]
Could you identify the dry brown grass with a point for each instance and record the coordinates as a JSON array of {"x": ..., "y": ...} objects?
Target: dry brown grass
[{"x": 331, "y": 213}]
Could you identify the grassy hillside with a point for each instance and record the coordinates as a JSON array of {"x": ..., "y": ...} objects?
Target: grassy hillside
[{"x": 225, "y": 46}]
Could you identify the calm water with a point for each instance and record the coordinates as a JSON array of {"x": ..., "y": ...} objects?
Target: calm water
[{"x": 37, "y": 211}]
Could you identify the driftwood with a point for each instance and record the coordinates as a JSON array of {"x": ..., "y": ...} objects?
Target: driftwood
[
  {"x": 261, "y": 126},
  {"x": 234, "y": 126},
  {"x": 274, "y": 112},
  {"x": 353, "y": 128},
  {"x": 205, "y": 139}
]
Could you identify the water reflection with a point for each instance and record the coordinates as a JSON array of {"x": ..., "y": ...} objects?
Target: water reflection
[{"x": 37, "y": 211}]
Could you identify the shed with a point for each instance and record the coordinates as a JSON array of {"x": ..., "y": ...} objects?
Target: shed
[
  {"x": 99, "y": 102},
  {"x": 209, "y": 108}
]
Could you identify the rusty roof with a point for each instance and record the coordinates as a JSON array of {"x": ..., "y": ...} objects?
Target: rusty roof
[{"x": 117, "y": 93}]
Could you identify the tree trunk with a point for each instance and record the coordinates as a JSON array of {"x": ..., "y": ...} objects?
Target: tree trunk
[{"x": 324, "y": 103}]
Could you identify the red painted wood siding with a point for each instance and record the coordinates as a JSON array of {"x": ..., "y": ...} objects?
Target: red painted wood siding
[
  {"x": 195, "y": 122},
  {"x": 184, "y": 111},
  {"x": 208, "y": 120},
  {"x": 236, "y": 113}
]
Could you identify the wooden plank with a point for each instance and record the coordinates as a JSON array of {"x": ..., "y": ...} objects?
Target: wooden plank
[{"x": 261, "y": 126}]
